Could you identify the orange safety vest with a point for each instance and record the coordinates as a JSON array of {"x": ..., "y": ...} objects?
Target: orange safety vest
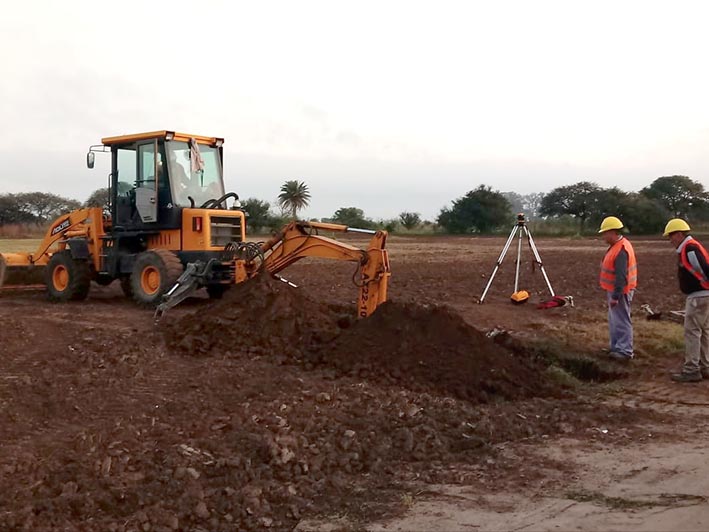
[
  {"x": 701, "y": 277},
  {"x": 608, "y": 267}
]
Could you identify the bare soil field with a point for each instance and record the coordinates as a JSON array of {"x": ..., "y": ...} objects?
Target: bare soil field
[{"x": 274, "y": 408}]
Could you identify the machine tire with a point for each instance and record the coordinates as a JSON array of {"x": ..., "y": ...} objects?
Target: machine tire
[
  {"x": 216, "y": 291},
  {"x": 67, "y": 279},
  {"x": 154, "y": 273}
]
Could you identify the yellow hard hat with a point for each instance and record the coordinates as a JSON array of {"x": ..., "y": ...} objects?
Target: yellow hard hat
[
  {"x": 674, "y": 225},
  {"x": 610, "y": 222}
]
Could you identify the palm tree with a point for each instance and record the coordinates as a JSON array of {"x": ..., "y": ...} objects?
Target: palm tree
[{"x": 294, "y": 196}]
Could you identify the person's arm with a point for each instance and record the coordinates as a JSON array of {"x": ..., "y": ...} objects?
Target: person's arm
[{"x": 621, "y": 274}]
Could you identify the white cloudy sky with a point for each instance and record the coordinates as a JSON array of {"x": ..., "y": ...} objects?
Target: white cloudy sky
[{"x": 383, "y": 105}]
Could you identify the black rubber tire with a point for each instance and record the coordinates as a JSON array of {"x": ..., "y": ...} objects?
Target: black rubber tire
[
  {"x": 76, "y": 275},
  {"x": 216, "y": 291},
  {"x": 126, "y": 287},
  {"x": 162, "y": 262}
]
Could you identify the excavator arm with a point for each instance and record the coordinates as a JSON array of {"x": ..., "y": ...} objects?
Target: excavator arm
[
  {"x": 292, "y": 243},
  {"x": 299, "y": 240}
]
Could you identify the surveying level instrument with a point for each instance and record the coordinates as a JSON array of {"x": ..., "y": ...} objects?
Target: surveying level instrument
[{"x": 521, "y": 229}]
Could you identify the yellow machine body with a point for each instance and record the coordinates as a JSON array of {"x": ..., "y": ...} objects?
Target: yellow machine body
[{"x": 153, "y": 231}]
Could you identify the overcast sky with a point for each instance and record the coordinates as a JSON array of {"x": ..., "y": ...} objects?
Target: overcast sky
[{"x": 386, "y": 106}]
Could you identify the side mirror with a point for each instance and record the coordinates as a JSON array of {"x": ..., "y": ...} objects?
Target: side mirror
[{"x": 90, "y": 159}]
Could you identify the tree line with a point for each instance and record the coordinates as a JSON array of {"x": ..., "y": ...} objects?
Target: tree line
[
  {"x": 33, "y": 207},
  {"x": 482, "y": 210},
  {"x": 646, "y": 211},
  {"x": 295, "y": 196},
  {"x": 40, "y": 208}
]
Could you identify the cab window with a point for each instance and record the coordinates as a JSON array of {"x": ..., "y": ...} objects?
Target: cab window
[
  {"x": 127, "y": 164},
  {"x": 146, "y": 166},
  {"x": 187, "y": 182}
]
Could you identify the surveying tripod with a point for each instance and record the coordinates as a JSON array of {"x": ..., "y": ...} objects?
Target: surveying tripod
[{"x": 521, "y": 229}]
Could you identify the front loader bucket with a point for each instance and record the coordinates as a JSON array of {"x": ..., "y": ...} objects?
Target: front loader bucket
[{"x": 17, "y": 272}]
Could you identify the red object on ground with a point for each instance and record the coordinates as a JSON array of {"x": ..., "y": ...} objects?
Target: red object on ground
[{"x": 556, "y": 301}]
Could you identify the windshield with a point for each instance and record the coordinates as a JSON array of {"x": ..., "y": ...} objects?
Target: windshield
[{"x": 200, "y": 185}]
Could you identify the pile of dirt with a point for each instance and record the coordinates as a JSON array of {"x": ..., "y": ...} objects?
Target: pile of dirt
[
  {"x": 432, "y": 348},
  {"x": 263, "y": 315},
  {"x": 424, "y": 348}
]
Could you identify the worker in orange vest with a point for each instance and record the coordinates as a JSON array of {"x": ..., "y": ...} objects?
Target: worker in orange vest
[
  {"x": 619, "y": 278},
  {"x": 693, "y": 276}
]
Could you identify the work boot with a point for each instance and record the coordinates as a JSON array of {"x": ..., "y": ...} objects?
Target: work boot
[
  {"x": 620, "y": 356},
  {"x": 694, "y": 376}
]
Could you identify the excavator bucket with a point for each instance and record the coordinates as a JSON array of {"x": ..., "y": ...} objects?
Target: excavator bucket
[{"x": 16, "y": 271}]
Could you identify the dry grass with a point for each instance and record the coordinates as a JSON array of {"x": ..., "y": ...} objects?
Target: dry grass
[
  {"x": 657, "y": 338},
  {"x": 652, "y": 338},
  {"x": 17, "y": 245}
]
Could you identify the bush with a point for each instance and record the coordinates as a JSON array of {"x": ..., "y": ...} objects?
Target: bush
[
  {"x": 482, "y": 210},
  {"x": 410, "y": 220},
  {"x": 352, "y": 217}
]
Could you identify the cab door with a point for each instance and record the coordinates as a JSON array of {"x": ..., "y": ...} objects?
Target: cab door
[{"x": 146, "y": 184}]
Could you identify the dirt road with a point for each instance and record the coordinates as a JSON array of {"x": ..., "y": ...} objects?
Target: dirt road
[
  {"x": 273, "y": 416},
  {"x": 664, "y": 490},
  {"x": 628, "y": 485}
]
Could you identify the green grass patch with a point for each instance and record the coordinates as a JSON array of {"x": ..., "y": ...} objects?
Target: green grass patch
[
  {"x": 567, "y": 363},
  {"x": 562, "y": 377},
  {"x": 622, "y": 503},
  {"x": 653, "y": 339},
  {"x": 658, "y": 338},
  {"x": 615, "y": 503}
]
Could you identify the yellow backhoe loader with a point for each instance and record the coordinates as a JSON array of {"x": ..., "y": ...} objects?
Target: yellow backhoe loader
[{"x": 167, "y": 231}]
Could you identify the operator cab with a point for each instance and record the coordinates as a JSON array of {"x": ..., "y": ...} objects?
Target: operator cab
[{"x": 155, "y": 175}]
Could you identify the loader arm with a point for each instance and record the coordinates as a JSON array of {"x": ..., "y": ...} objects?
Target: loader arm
[
  {"x": 299, "y": 240},
  {"x": 68, "y": 226},
  {"x": 27, "y": 269}
]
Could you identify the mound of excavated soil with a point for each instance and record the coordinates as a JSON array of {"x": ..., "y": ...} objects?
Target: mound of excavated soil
[
  {"x": 422, "y": 348},
  {"x": 260, "y": 316},
  {"x": 434, "y": 348}
]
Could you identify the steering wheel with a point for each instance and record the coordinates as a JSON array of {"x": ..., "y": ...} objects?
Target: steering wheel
[{"x": 215, "y": 203}]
